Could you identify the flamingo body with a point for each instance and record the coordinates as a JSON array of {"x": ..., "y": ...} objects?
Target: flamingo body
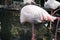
[
  {"x": 31, "y": 13},
  {"x": 53, "y": 4}
]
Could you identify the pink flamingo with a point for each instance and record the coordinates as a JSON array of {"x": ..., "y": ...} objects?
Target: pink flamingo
[{"x": 32, "y": 13}]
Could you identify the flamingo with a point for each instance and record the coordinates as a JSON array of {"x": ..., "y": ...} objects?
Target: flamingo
[
  {"x": 52, "y": 4},
  {"x": 32, "y": 13}
]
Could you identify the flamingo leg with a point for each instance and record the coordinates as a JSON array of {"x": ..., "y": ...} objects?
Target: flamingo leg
[
  {"x": 50, "y": 22},
  {"x": 56, "y": 29},
  {"x": 50, "y": 28},
  {"x": 32, "y": 31}
]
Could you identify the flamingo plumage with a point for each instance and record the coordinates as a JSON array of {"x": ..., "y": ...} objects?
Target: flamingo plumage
[
  {"x": 32, "y": 13},
  {"x": 52, "y": 4}
]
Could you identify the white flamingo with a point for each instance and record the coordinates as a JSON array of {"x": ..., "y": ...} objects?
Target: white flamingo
[{"x": 32, "y": 13}]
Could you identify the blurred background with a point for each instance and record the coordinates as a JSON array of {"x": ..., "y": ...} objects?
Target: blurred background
[{"x": 11, "y": 29}]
